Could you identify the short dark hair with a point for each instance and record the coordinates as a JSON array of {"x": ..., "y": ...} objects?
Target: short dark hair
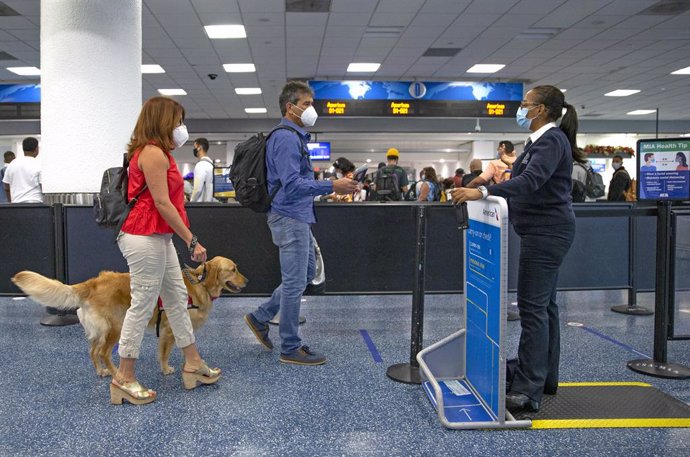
[
  {"x": 291, "y": 92},
  {"x": 617, "y": 157},
  {"x": 648, "y": 155},
  {"x": 29, "y": 144},
  {"x": 381, "y": 165},
  {"x": 509, "y": 146},
  {"x": 203, "y": 142},
  {"x": 460, "y": 171},
  {"x": 9, "y": 155}
]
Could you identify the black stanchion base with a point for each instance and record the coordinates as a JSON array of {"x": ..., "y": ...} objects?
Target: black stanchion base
[
  {"x": 659, "y": 369},
  {"x": 632, "y": 310},
  {"x": 54, "y": 317},
  {"x": 404, "y": 372},
  {"x": 276, "y": 320}
]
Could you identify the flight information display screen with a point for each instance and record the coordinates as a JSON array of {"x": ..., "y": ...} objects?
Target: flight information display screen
[
  {"x": 416, "y": 99},
  {"x": 662, "y": 169}
]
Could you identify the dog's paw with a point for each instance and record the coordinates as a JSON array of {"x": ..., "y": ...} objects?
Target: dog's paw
[
  {"x": 168, "y": 370},
  {"x": 103, "y": 372}
]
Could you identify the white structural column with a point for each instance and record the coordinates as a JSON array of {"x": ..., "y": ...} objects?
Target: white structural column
[{"x": 90, "y": 89}]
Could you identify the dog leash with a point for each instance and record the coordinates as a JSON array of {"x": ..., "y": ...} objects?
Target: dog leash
[{"x": 198, "y": 280}]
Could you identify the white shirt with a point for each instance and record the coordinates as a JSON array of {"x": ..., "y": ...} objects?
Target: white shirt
[
  {"x": 23, "y": 175},
  {"x": 203, "y": 181},
  {"x": 538, "y": 133}
]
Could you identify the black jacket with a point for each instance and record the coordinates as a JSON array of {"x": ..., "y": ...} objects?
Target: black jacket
[
  {"x": 469, "y": 177},
  {"x": 620, "y": 182}
]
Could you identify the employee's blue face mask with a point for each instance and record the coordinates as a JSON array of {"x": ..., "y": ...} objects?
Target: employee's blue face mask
[{"x": 521, "y": 117}]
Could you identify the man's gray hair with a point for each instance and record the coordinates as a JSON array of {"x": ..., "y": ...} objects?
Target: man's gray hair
[{"x": 291, "y": 92}]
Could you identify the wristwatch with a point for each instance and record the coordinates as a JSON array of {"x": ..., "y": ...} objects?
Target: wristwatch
[{"x": 484, "y": 191}]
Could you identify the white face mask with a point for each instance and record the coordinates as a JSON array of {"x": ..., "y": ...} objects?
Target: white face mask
[
  {"x": 180, "y": 136},
  {"x": 616, "y": 165},
  {"x": 308, "y": 116},
  {"x": 338, "y": 175}
]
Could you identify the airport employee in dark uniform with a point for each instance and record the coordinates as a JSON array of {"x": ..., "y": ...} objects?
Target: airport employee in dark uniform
[{"x": 541, "y": 212}]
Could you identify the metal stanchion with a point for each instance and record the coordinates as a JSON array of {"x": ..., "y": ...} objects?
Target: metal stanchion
[
  {"x": 409, "y": 372},
  {"x": 659, "y": 365},
  {"x": 632, "y": 308}
]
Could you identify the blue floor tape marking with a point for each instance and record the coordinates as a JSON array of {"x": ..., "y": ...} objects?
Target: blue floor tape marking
[
  {"x": 372, "y": 347},
  {"x": 614, "y": 341}
]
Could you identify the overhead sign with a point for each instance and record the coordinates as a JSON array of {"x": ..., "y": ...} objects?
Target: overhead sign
[
  {"x": 662, "y": 169},
  {"x": 412, "y": 99},
  {"x": 20, "y": 93}
]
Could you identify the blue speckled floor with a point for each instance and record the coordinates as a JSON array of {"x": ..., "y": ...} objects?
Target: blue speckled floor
[{"x": 52, "y": 403}]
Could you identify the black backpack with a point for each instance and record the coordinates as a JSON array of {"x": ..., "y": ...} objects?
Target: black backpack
[
  {"x": 388, "y": 185},
  {"x": 248, "y": 173},
  {"x": 110, "y": 205},
  {"x": 594, "y": 185}
]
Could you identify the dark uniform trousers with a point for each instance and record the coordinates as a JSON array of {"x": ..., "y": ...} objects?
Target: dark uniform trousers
[{"x": 542, "y": 250}]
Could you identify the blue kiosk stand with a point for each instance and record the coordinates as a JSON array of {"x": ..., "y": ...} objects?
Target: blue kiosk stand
[{"x": 464, "y": 374}]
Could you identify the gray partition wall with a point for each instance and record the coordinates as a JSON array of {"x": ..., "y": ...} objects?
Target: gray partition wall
[{"x": 367, "y": 247}]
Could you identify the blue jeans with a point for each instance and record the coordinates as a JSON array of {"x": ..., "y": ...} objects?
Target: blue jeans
[
  {"x": 542, "y": 251},
  {"x": 297, "y": 268}
]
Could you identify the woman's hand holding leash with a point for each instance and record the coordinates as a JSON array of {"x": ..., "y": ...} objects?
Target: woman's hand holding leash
[{"x": 196, "y": 251}]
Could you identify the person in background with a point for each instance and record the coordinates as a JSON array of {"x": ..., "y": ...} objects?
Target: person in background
[
  {"x": 457, "y": 179},
  {"x": 146, "y": 243},
  {"x": 682, "y": 162},
  {"x": 475, "y": 171},
  {"x": 203, "y": 173},
  {"x": 8, "y": 157},
  {"x": 620, "y": 181},
  {"x": 290, "y": 175},
  {"x": 429, "y": 190},
  {"x": 447, "y": 185},
  {"x": 541, "y": 212},
  {"x": 343, "y": 168},
  {"x": 22, "y": 177},
  {"x": 392, "y": 157},
  {"x": 498, "y": 170},
  {"x": 579, "y": 177}
]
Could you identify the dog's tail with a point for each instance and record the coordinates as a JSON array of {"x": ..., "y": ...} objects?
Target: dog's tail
[{"x": 48, "y": 292}]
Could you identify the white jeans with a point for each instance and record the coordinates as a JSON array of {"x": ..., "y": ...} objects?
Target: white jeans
[{"x": 154, "y": 271}]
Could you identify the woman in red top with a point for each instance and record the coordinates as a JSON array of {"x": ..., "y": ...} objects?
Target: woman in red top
[{"x": 146, "y": 243}]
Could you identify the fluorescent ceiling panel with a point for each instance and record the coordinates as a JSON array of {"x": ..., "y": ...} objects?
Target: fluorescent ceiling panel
[
  {"x": 248, "y": 90},
  {"x": 25, "y": 71},
  {"x": 152, "y": 68},
  {"x": 363, "y": 67},
  {"x": 255, "y": 110},
  {"x": 485, "y": 68},
  {"x": 239, "y": 67},
  {"x": 621, "y": 93},
  {"x": 682, "y": 71},
  {"x": 217, "y": 32},
  {"x": 639, "y": 112},
  {"x": 172, "y": 92}
]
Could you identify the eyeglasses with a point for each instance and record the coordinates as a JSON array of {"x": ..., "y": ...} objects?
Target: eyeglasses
[{"x": 525, "y": 104}]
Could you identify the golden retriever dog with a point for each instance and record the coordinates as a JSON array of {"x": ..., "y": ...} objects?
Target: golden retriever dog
[{"x": 102, "y": 302}]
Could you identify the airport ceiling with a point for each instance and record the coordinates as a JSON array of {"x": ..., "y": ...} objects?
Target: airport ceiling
[{"x": 588, "y": 47}]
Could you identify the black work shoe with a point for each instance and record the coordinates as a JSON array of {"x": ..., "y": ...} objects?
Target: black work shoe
[
  {"x": 303, "y": 356},
  {"x": 517, "y": 402},
  {"x": 260, "y": 331}
]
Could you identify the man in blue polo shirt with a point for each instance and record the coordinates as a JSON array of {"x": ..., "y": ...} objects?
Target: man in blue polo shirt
[{"x": 290, "y": 218}]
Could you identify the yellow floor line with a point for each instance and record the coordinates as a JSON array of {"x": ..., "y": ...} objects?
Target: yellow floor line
[
  {"x": 611, "y": 423},
  {"x": 586, "y": 384}
]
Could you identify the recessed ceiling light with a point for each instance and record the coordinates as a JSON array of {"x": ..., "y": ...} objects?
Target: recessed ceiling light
[
  {"x": 682, "y": 71},
  {"x": 368, "y": 160},
  {"x": 172, "y": 92},
  {"x": 255, "y": 110},
  {"x": 247, "y": 90},
  {"x": 152, "y": 68},
  {"x": 25, "y": 71},
  {"x": 362, "y": 67},
  {"x": 225, "y": 31},
  {"x": 621, "y": 93},
  {"x": 639, "y": 112},
  {"x": 442, "y": 160},
  {"x": 239, "y": 67},
  {"x": 563, "y": 90},
  {"x": 485, "y": 68}
]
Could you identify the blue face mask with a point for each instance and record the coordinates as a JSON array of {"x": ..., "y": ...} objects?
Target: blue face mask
[{"x": 521, "y": 117}]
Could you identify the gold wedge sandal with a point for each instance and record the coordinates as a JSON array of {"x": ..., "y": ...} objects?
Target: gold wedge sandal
[
  {"x": 133, "y": 392},
  {"x": 203, "y": 374}
]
